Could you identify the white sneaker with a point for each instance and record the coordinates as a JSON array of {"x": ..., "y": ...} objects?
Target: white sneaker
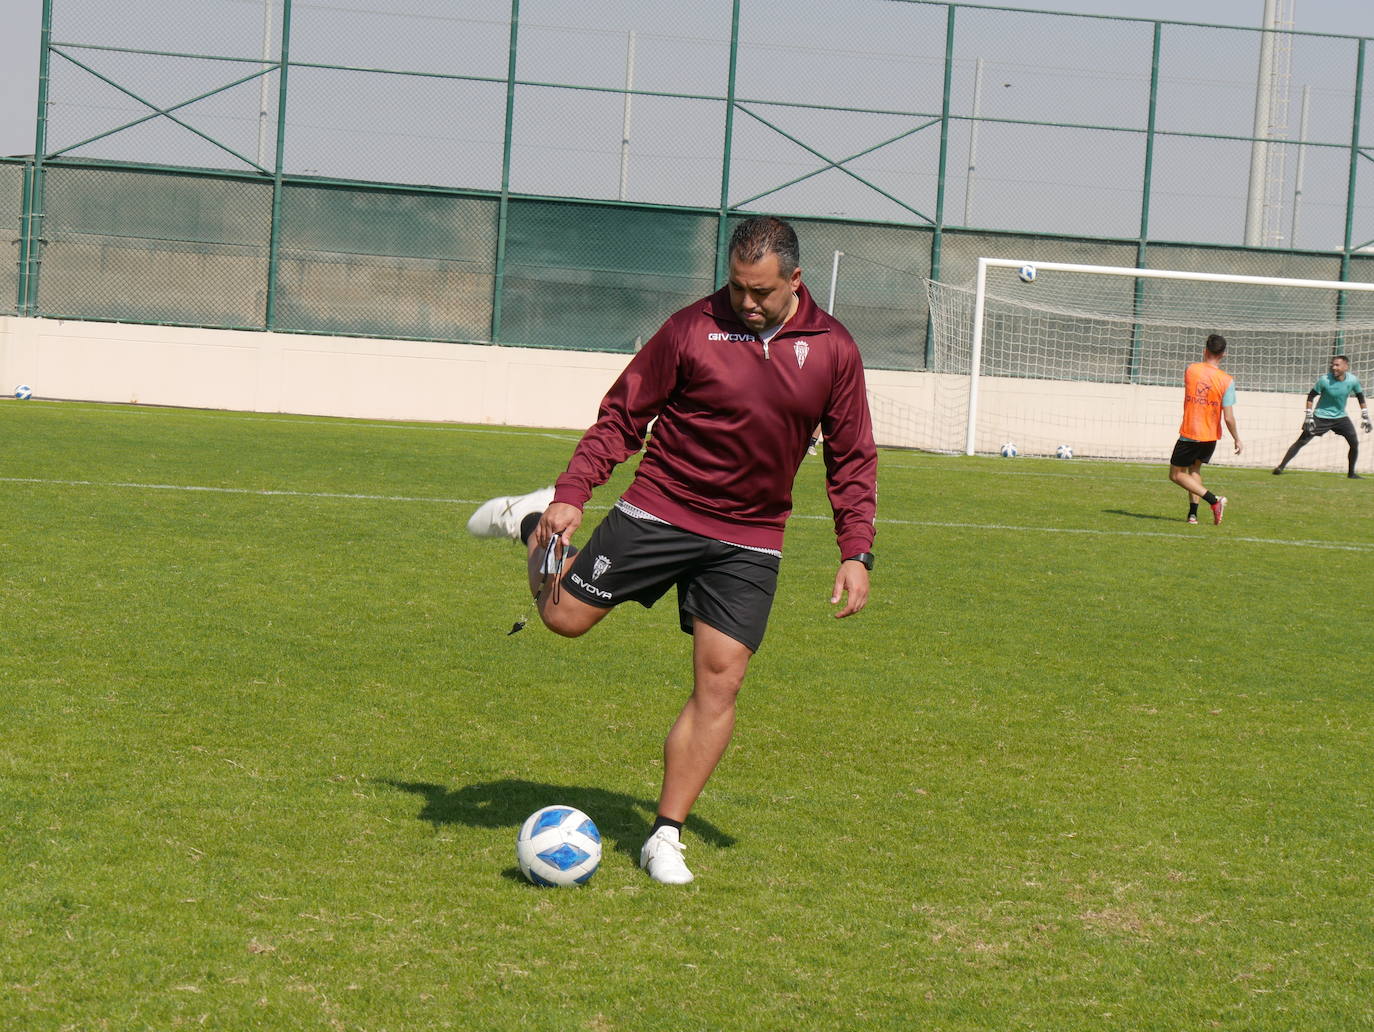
[
  {"x": 501, "y": 517},
  {"x": 662, "y": 858}
]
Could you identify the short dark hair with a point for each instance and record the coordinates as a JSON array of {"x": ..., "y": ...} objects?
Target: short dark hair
[
  {"x": 1343, "y": 358},
  {"x": 766, "y": 234},
  {"x": 1216, "y": 344}
]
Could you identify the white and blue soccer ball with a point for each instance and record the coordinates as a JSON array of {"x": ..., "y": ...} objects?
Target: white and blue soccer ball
[
  {"x": 23, "y": 392},
  {"x": 1026, "y": 273},
  {"x": 1064, "y": 451},
  {"x": 558, "y": 845},
  {"x": 1009, "y": 451}
]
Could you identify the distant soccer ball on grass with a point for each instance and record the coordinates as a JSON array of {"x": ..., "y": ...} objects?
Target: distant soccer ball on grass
[
  {"x": 1026, "y": 273},
  {"x": 558, "y": 845},
  {"x": 1064, "y": 451},
  {"x": 23, "y": 392},
  {"x": 1009, "y": 451}
]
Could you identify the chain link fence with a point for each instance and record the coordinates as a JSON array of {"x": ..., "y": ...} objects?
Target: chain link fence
[
  {"x": 503, "y": 172},
  {"x": 385, "y": 263},
  {"x": 153, "y": 246},
  {"x": 12, "y": 179}
]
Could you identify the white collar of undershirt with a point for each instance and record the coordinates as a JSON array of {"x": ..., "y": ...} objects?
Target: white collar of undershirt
[{"x": 770, "y": 333}]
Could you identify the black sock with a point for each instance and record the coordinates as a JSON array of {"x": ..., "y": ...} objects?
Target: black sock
[
  {"x": 527, "y": 526},
  {"x": 1192, "y": 508},
  {"x": 665, "y": 822},
  {"x": 1209, "y": 498}
]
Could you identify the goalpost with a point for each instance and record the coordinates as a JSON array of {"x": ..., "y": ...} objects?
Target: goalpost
[{"x": 1093, "y": 356}]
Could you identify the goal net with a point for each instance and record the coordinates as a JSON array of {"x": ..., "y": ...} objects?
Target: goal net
[{"x": 1093, "y": 356}]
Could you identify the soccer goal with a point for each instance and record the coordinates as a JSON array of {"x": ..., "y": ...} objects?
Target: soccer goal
[{"x": 1053, "y": 353}]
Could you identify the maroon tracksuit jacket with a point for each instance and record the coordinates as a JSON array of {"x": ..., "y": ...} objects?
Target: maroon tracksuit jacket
[{"x": 734, "y": 419}]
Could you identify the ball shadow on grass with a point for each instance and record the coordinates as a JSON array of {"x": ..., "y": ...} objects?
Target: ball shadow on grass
[{"x": 622, "y": 819}]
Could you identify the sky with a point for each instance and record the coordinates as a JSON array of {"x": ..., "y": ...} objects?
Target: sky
[
  {"x": 22, "y": 19},
  {"x": 342, "y": 128}
]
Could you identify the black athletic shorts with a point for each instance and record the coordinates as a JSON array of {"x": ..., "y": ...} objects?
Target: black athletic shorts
[
  {"x": 1343, "y": 425},
  {"x": 1187, "y": 452},
  {"x": 636, "y": 560}
]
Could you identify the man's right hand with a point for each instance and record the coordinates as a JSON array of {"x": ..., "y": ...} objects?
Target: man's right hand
[
  {"x": 559, "y": 520},
  {"x": 1309, "y": 421}
]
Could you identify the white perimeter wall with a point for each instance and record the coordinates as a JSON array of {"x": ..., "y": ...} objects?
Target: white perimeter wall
[
  {"x": 463, "y": 383},
  {"x": 280, "y": 372}
]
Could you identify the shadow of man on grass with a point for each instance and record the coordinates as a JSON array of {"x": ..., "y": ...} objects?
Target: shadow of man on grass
[
  {"x": 1141, "y": 515},
  {"x": 622, "y": 819}
]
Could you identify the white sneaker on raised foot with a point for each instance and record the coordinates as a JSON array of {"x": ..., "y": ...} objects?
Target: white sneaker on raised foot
[
  {"x": 500, "y": 517},
  {"x": 662, "y": 858}
]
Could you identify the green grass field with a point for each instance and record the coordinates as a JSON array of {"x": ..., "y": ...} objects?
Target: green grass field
[{"x": 266, "y": 747}]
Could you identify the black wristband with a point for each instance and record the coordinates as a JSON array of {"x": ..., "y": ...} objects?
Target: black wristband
[{"x": 863, "y": 557}]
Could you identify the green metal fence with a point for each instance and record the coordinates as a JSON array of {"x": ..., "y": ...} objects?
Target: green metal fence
[{"x": 501, "y": 174}]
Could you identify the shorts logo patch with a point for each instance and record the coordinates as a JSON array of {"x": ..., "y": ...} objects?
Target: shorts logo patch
[
  {"x": 599, "y": 567},
  {"x": 591, "y": 589},
  {"x": 801, "y": 349}
]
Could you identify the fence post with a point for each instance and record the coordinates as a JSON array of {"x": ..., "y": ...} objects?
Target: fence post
[
  {"x": 723, "y": 223},
  {"x": 1147, "y": 177},
  {"x": 503, "y": 205},
  {"x": 33, "y": 217},
  {"x": 937, "y": 235},
  {"x": 1350, "y": 183},
  {"x": 274, "y": 233}
]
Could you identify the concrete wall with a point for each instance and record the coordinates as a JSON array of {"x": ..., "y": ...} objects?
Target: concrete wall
[
  {"x": 389, "y": 379},
  {"x": 317, "y": 375}
]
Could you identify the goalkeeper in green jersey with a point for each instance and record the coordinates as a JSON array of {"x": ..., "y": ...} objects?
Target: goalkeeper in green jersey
[{"x": 1326, "y": 403}]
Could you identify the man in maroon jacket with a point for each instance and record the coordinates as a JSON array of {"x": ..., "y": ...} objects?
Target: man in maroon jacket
[{"x": 737, "y": 382}]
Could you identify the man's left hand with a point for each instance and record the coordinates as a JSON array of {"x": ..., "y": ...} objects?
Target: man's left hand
[
  {"x": 1365, "y": 424},
  {"x": 851, "y": 584}
]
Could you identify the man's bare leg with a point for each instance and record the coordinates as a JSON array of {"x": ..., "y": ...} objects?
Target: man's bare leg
[
  {"x": 703, "y": 729},
  {"x": 563, "y": 614},
  {"x": 694, "y": 746},
  {"x": 1188, "y": 478}
]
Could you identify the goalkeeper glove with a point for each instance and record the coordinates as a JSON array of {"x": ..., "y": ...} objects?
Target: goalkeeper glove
[
  {"x": 1365, "y": 424},
  {"x": 1309, "y": 421}
]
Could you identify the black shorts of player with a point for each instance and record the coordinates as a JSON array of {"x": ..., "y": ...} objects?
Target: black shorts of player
[
  {"x": 1342, "y": 425},
  {"x": 634, "y": 560},
  {"x": 1187, "y": 452}
]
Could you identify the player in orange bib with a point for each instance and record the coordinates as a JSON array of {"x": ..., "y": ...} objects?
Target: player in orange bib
[{"x": 1209, "y": 398}]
